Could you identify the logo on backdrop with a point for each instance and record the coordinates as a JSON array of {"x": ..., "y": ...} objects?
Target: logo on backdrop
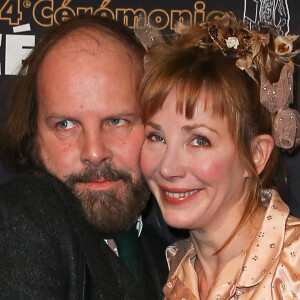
[
  {"x": 22, "y": 17},
  {"x": 44, "y": 13}
]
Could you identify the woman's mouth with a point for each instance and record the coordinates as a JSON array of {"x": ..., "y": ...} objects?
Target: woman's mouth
[{"x": 178, "y": 197}]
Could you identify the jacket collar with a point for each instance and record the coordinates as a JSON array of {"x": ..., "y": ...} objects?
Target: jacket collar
[{"x": 267, "y": 244}]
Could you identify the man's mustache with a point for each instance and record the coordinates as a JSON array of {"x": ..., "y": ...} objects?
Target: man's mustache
[{"x": 103, "y": 173}]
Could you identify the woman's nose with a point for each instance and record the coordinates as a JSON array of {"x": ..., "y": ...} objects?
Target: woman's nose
[{"x": 172, "y": 165}]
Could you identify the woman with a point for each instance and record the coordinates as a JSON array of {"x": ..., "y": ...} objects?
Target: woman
[{"x": 209, "y": 157}]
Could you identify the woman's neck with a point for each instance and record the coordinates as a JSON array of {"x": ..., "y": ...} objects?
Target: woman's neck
[{"x": 207, "y": 243}]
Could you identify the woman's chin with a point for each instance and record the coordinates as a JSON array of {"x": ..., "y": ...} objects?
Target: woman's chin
[{"x": 177, "y": 221}]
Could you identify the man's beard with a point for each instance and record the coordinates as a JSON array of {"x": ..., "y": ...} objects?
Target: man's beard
[
  {"x": 113, "y": 210},
  {"x": 109, "y": 211}
]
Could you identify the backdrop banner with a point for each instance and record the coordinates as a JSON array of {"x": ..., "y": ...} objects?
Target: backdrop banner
[{"x": 23, "y": 22}]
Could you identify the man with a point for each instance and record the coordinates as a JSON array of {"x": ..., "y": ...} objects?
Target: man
[{"x": 74, "y": 120}]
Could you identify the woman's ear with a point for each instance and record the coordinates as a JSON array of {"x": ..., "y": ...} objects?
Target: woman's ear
[{"x": 262, "y": 147}]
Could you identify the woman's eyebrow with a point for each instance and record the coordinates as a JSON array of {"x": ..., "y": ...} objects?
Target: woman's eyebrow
[
  {"x": 195, "y": 126},
  {"x": 154, "y": 125}
]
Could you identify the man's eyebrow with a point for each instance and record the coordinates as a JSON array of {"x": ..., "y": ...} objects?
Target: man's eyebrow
[
  {"x": 58, "y": 116},
  {"x": 68, "y": 117},
  {"x": 195, "y": 126},
  {"x": 154, "y": 125}
]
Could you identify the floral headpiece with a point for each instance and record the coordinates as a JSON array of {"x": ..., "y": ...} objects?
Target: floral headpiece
[{"x": 256, "y": 53}]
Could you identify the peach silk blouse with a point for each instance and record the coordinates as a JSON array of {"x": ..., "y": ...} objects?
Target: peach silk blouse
[{"x": 269, "y": 269}]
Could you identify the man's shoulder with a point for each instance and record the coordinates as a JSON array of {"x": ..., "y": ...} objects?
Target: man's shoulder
[
  {"x": 33, "y": 194},
  {"x": 39, "y": 248},
  {"x": 30, "y": 187}
]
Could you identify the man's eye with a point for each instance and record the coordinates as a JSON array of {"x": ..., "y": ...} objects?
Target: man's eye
[
  {"x": 117, "y": 122},
  {"x": 200, "y": 141},
  {"x": 66, "y": 124}
]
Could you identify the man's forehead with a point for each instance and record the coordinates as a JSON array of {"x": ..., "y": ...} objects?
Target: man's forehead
[
  {"x": 83, "y": 43},
  {"x": 91, "y": 40},
  {"x": 80, "y": 63}
]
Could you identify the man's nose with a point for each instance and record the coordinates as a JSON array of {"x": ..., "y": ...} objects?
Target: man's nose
[
  {"x": 95, "y": 149},
  {"x": 172, "y": 165}
]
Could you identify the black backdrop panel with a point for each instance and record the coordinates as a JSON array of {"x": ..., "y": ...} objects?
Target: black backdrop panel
[{"x": 23, "y": 22}]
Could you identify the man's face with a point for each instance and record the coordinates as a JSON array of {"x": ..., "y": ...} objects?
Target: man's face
[{"x": 89, "y": 130}]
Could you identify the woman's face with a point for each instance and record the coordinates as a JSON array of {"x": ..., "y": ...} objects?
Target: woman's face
[{"x": 193, "y": 167}]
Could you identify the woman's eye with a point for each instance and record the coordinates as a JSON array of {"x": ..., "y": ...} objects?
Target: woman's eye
[
  {"x": 155, "y": 138},
  {"x": 66, "y": 124},
  {"x": 200, "y": 141},
  {"x": 117, "y": 122}
]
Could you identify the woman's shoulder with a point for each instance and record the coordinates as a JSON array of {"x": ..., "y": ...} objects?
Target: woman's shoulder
[
  {"x": 286, "y": 276},
  {"x": 292, "y": 232}
]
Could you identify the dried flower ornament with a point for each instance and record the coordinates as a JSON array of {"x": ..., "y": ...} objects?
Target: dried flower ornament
[
  {"x": 257, "y": 53},
  {"x": 276, "y": 98},
  {"x": 232, "y": 42},
  {"x": 148, "y": 36}
]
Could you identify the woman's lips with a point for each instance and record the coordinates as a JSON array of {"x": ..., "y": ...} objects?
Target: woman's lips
[{"x": 177, "y": 196}]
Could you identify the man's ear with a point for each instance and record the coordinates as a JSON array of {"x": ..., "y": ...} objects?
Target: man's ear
[{"x": 262, "y": 147}]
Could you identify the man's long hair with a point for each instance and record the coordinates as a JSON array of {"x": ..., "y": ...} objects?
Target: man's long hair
[{"x": 18, "y": 134}]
